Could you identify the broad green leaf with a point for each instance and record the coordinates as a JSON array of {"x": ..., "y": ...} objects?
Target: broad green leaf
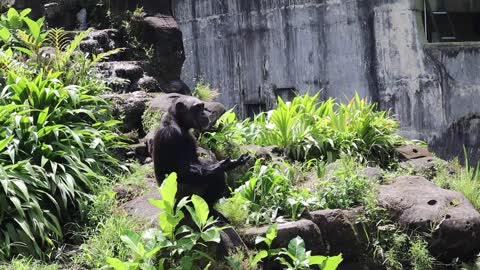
[
  {"x": 5, "y": 34},
  {"x": 24, "y": 50},
  {"x": 131, "y": 239},
  {"x": 23, "y": 224},
  {"x": 166, "y": 224},
  {"x": 211, "y": 235},
  {"x": 259, "y": 257},
  {"x": 168, "y": 190},
  {"x": 42, "y": 116},
  {"x": 152, "y": 252},
  {"x": 316, "y": 260},
  {"x": 119, "y": 265},
  {"x": 33, "y": 26},
  {"x": 25, "y": 12},
  {"x": 271, "y": 234},
  {"x": 157, "y": 203},
  {"x": 23, "y": 189},
  {"x": 332, "y": 263},
  {"x": 201, "y": 209},
  {"x": 296, "y": 247},
  {"x": 18, "y": 205},
  {"x": 11, "y": 13},
  {"x": 194, "y": 216}
]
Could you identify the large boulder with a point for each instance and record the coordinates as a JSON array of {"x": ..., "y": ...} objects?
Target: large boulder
[
  {"x": 100, "y": 41},
  {"x": 342, "y": 232},
  {"x": 306, "y": 229},
  {"x": 163, "y": 33},
  {"x": 130, "y": 107},
  {"x": 420, "y": 205},
  {"x": 410, "y": 151}
]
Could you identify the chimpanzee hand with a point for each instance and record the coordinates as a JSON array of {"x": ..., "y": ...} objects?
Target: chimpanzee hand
[
  {"x": 228, "y": 164},
  {"x": 243, "y": 159}
]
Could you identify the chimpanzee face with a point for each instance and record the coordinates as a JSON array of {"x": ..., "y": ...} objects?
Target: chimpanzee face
[{"x": 190, "y": 112}]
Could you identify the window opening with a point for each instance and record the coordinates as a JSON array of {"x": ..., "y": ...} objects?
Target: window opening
[
  {"x": 451, "y": 21},
  {"x": 287, "y": 94},
  {"x": 255, "y": 109}
]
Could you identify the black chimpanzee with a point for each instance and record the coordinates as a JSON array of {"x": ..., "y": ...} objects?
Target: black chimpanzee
[{"x": 175, "y": 150}]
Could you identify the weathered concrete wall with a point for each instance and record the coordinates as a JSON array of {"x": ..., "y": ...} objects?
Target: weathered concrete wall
[
  {"x": 377, "y": 47},
  {"x": 247, "y": 47}
]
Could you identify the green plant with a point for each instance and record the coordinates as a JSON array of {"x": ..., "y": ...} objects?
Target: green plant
[
  {"x": 104, "y": 240},
  {"x": 204, "y": 92},
  {"x": 395, "y": 249},
  {"x": 55, "y": 146},
  {"x": 269, "y": 194},
  {"x": 464, "y": 179},
  {"x": 227, "y": 136},
  {"x": 294, "y": 257},
  {"x": 180, "y": 244},
  {"x": 151, "y": 120},
  {"x": 308, "y": 129},
  {"x": 269, "y": 253},
  {"x": 21, "y": 32},
  {"x": 346, "y": 187},
  {"x": 421, "y": 257},
  {"x": 236, "y": 209},
  {"x": 28, "y": 264},
  {"x": 130, "y": 32}
]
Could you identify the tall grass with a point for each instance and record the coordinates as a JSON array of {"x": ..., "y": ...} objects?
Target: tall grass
[{"x": 465, "y": 179}]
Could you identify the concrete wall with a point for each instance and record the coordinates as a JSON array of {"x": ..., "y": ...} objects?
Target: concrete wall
[{"x": 246, "y": 48}]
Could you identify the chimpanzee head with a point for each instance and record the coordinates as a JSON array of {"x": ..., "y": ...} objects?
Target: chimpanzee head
[{"x": 190, "y": 113}]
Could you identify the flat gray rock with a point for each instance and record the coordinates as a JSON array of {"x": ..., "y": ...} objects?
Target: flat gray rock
[{"x": 420, "y": 205}]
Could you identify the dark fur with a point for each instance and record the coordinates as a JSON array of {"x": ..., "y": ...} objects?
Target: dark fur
[{"x": 175, "y": 150}]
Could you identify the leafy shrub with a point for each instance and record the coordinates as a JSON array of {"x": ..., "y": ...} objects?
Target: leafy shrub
[
  {"x": 308, "y": 129},
  {"x": 421, "y": 257},
  {"x": 28, "y": 264},
  {"x": 236, "y": 209},
  {"x": 346, "y": 187},
  {"x": 181, "y": 246},
  {"x": 106, "y": 224},
  {"x": 294, "y": 257},
  {"x": 56, "y": 138},
  {"x": 204, "y": 92},
  {"x": 151, "y": 120},
  {"x": 104, "y": 241},
  {"x": 269, "y": 194},
  {"x": 395, "y": 249},
  {"x": 227, "y": 136}
]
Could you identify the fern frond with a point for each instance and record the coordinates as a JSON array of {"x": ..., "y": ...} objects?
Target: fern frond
[
  {"x": 58, "y": 39},
  {"x": 104, "y": 56}
]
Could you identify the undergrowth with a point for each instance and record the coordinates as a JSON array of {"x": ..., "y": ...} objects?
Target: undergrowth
[{"x": 56, "y": 135}]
